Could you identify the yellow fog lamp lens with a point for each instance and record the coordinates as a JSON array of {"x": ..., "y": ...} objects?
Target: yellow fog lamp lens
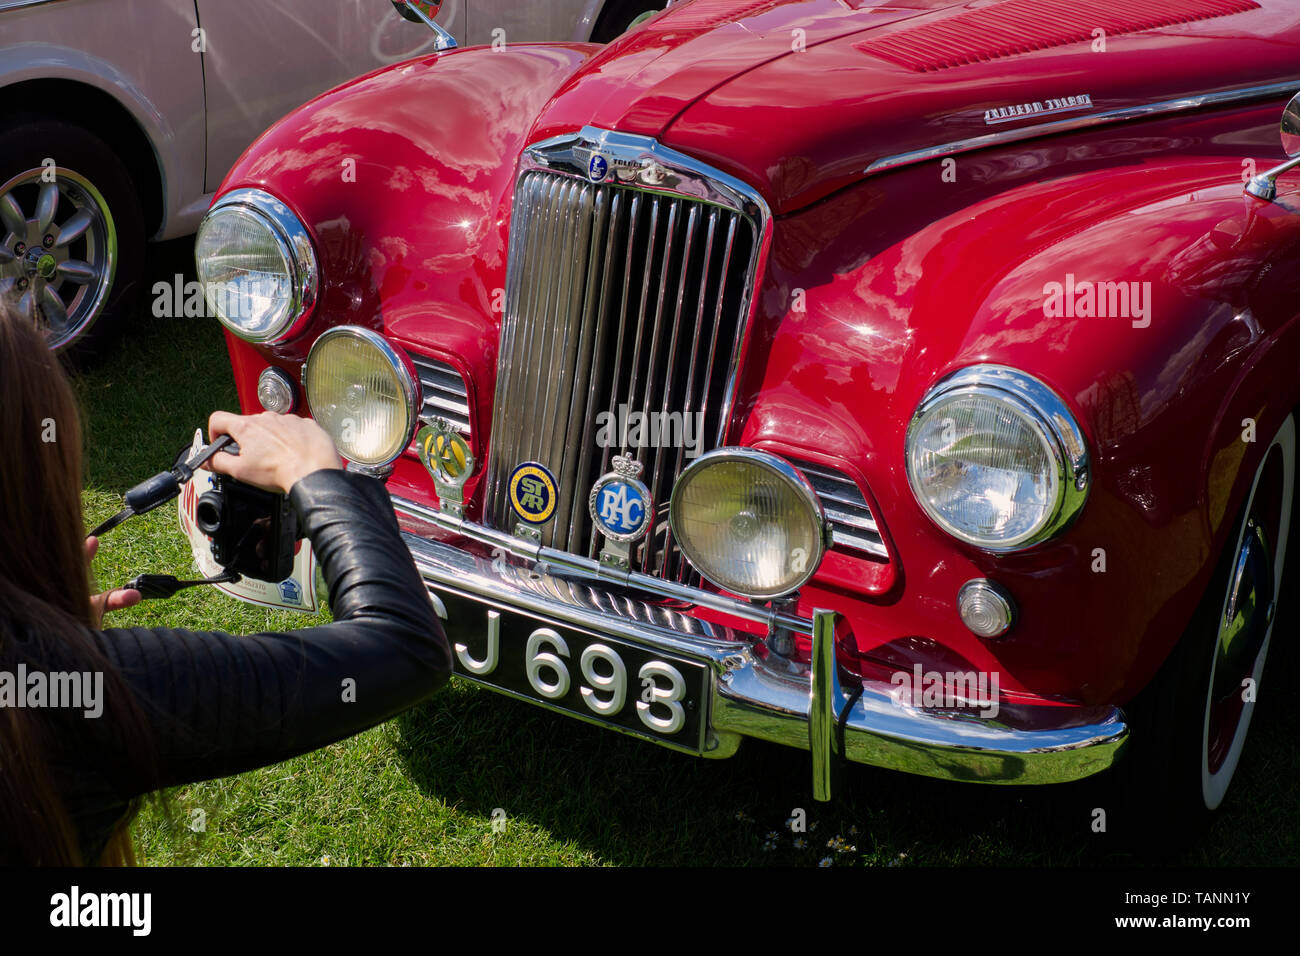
[
  {"x": 362, "y": 391},
  {"x": 749, "y": 522}
]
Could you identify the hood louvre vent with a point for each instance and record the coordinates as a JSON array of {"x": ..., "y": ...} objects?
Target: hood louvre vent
[{"x": 1025, "y": 26}]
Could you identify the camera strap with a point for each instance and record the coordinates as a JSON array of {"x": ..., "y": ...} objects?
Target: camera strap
[
  {"x": 161, "y": 586},
  {"x": 164, "y": 486},
  {"x": 111, "y": 523}
]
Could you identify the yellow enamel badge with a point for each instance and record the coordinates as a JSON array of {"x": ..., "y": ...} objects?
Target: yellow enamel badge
[{"x": 533, "y": 492}]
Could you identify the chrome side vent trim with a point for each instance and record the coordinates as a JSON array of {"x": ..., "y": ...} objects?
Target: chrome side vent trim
[
  {"x": 445, "y": 393},
  {"x": 853, "y": 525}
]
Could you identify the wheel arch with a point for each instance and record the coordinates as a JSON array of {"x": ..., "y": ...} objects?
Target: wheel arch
[
  {"x": 96, "y": 110},
  {"x": 1251, "y": 414}
]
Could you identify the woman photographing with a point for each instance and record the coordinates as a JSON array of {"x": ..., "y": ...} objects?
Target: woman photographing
[{"x": 181, "y": 706}]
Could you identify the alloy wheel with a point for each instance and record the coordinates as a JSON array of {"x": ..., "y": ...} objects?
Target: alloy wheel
[{"x": 58, "y": 251}]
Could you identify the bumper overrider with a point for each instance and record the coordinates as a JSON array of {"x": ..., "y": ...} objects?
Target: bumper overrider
[{"x": 476, "y": 574}]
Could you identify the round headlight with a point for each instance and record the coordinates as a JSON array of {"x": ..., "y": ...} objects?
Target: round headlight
[
  {"x": 748, "y": 521},
  {"x": 256, "y": 265},
  {"x": 996, "y": 459},
  {"x": 362, "y": 392}
]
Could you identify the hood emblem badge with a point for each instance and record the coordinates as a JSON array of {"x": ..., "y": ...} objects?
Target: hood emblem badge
[{"x": 1015, "y": 111}]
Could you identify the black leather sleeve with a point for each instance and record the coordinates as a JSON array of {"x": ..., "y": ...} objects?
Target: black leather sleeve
[{"x": 218, "y": 704}]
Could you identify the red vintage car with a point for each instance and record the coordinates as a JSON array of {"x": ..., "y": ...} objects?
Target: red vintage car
[{"x": 909, "y": 382}]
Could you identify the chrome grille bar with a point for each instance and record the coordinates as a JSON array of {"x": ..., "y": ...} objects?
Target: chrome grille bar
[
  {"x": 656, "y": 482},
  {"x": 561, "y": 391},
  {"x": 655, "y": 463},
  {"x": 630, "y": 231},
  {"x": 640, "y": 319},
  {"x": 592, "y": 338},
  {"x": 683, "y": 568},
  {"x": 717, "y": 324}
]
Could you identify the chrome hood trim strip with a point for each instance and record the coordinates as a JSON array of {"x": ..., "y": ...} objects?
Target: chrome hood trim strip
[{"x": 1083, "y": 122}]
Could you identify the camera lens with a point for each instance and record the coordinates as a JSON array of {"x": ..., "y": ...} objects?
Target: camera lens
[{"x": 207, "y": 512}]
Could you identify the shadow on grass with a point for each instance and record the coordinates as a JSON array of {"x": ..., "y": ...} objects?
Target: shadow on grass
[{"x": 631, "y": 802}]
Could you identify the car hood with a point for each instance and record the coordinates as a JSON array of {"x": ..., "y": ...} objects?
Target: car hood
[{"x": 801, "y": 97}]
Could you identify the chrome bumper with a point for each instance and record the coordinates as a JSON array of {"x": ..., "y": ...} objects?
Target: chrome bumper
[{"x": 770, "y": 698}]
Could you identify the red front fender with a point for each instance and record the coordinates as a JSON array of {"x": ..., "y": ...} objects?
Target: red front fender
[
  {"x": 403, "y": 178},
  {"x": 846, "y": 349}
]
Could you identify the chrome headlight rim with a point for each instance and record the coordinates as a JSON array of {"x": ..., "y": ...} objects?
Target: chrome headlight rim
[
  {"x": 412, "y": 393},
  {"x": 793, "y": 476},
  {"x": 295, "y": 246},
  {"x": 1056, "y": 425}
]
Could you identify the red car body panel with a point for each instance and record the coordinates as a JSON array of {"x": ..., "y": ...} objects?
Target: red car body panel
[
  {"x": 877, "y": 285},
  {"x": 847, "y": 373},
  {"x": 803, "y": 137}
]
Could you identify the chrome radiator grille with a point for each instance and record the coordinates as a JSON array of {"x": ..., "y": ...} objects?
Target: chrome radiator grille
[{"x": 618, "y": 300}]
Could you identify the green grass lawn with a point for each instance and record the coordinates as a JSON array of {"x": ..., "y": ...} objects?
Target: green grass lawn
[{"x": 423, "y": 789}]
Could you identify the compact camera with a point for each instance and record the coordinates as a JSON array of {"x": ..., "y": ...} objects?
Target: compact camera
[{"x": 254, "y": 533}]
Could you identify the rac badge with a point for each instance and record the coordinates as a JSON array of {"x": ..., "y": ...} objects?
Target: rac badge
[
  {"x": 620, "y": 507},
  {"x": 533, "y": 492},
  {"x": 447, "y": 457}
]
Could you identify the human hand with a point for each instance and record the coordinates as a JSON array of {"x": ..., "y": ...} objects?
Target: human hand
[
  {"x": 275, "y": 451},
  {"x": 114, "y": 600}
]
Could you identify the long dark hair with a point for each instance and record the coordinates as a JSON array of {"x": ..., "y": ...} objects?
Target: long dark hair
[{"x": 45, "y": 595}]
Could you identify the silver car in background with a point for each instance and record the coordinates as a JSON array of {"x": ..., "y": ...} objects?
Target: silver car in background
[{"x": 119, "y": 118}]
